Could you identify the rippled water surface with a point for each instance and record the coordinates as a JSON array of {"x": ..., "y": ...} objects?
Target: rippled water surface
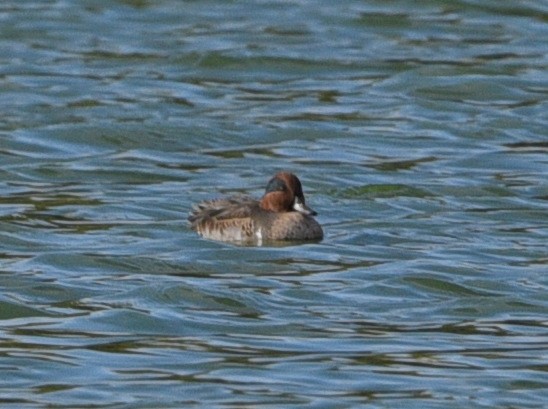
[{"x": 419, "y": 131}]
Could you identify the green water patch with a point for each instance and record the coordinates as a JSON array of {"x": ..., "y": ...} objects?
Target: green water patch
[
  {"x": 396, "y": 165},
  {"x": 49, "y": 202},
  {"x": 445, "y": 287},
  {"x": 10, "y": 310},
  {"x": 382, "y": 191},
  {"x": 53, "y": 387},
  {"x": 242, "y": 152},
  {"x": 36, "y": 209}
]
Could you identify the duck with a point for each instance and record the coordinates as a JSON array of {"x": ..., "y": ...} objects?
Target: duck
[{"x": 280, "y": 215}]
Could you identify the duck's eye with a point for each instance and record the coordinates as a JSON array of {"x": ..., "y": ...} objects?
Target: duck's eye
[{"x": 276, "y": 185}]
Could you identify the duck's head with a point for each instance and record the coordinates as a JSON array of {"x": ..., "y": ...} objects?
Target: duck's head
[{"x": 284, "y": 193}]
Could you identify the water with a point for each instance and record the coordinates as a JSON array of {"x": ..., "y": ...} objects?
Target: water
[{"x": 419, "y": 132}]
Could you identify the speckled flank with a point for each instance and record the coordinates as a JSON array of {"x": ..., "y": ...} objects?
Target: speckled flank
[{"x": 237, "y": 229}]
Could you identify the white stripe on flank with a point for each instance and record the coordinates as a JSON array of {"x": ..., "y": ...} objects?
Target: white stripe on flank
[{"x": 259, "y": 235}]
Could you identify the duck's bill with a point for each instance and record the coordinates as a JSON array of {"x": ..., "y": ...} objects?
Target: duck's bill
[{"x": 300, "y": 207}]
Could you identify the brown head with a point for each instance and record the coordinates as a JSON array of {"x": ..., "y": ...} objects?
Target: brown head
[{"x": 284, "y": 193}]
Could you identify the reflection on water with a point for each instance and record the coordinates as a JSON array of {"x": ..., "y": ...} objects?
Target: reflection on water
[{"x": 418, "y": 132}]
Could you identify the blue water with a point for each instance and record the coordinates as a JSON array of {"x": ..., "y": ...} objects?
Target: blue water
[{"x": 419, "y": 131}]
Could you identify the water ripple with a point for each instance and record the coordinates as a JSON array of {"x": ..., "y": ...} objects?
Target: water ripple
[{"x": 418, "y": 132}]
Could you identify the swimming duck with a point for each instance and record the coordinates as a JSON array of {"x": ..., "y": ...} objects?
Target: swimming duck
[{"x": 281, "y": 214}]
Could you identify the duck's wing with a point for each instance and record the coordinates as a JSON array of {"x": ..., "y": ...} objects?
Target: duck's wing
[
  {"x": 227, "y": 219},
  {"x": 235, "y": 207}
]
